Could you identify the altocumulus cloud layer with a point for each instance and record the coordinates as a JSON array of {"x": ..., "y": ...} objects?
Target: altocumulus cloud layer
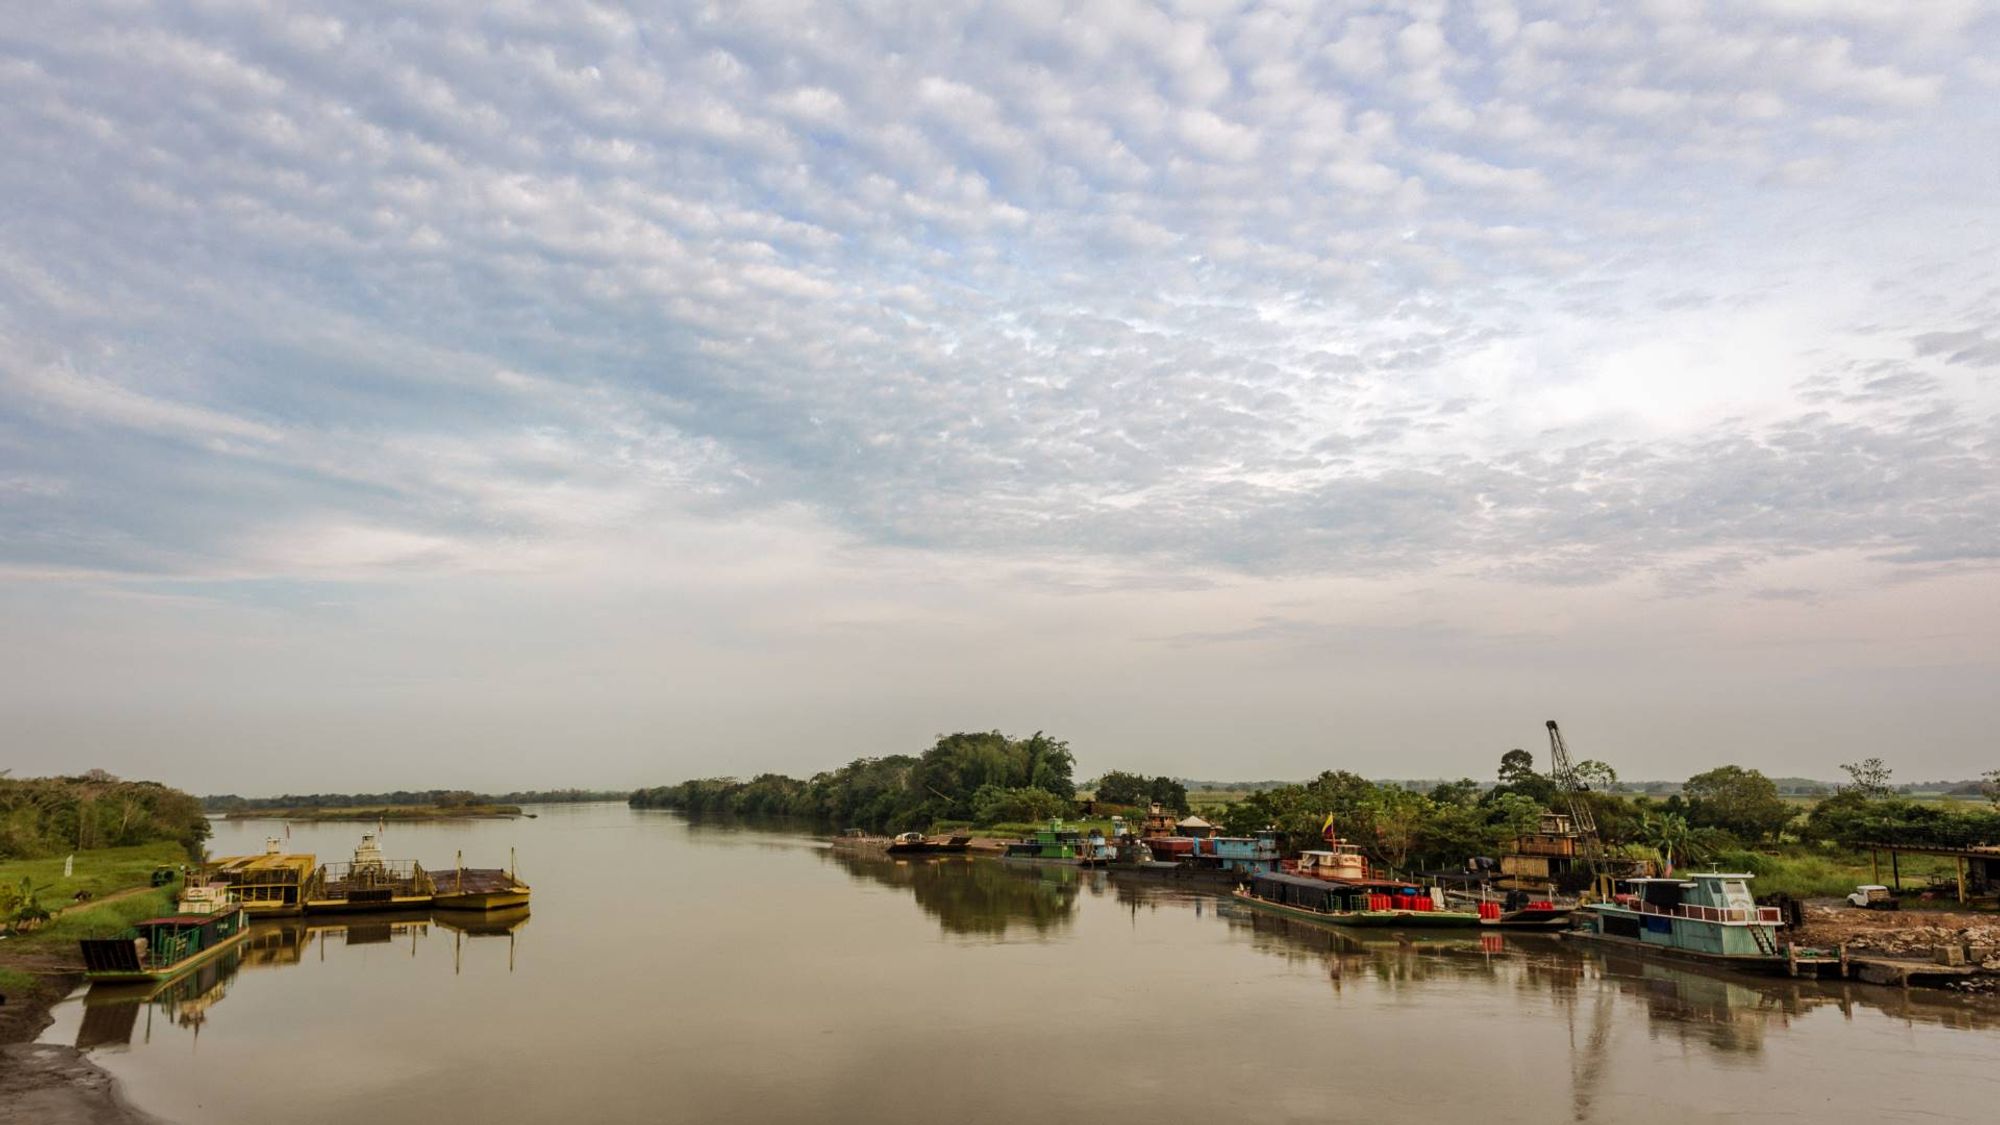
[{"x": 1276, "y": 319}]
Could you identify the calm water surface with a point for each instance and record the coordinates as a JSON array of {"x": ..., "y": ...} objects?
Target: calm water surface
[{"x": 677, "y": 972}]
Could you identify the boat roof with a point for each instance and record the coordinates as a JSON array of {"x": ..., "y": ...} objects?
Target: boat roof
[
  {"x": 265, "y": 862},
  {"x": 182, "y": 919},
  {"x": 1308, "y": 881}
]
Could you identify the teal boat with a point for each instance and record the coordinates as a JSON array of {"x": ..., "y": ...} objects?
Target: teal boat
[
  {"x": 1703, "y": 917},
  {"x": 208, "y": 920}
]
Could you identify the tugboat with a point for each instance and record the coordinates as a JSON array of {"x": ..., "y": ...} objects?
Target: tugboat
[
  {"x": 1708, "y": 916},
  {"x": 207, "y": 920},
  {"x": 1335, "y": 886}
]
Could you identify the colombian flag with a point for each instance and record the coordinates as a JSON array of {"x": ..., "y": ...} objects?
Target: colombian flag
[{"x": 1326, "y": 830}]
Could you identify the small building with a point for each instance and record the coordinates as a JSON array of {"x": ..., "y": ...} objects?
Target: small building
[
  {"x": 276, "y": 882},
  {"x": 1194, "y": 827},
  {"x": 1544, "y": 856}
]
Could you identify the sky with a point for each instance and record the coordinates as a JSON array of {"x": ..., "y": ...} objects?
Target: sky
[{"x": 514, "y": 395}]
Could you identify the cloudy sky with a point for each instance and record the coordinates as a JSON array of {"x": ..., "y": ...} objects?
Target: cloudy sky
[{"x": 554, "y": 393}]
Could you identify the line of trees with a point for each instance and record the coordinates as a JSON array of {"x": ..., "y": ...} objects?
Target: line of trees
[
  {"x": 401, "y": 798},
  {"x": 48, "y": 816},
  {"x": 984, "y": 777}
]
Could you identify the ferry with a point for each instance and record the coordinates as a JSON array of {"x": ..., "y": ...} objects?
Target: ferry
[
  {"x": 370, "y": 883},
  {"x": 1708, "y": 916},
  {"x": 207, "y": 920},
  {"x": 1336, "y": 887}
]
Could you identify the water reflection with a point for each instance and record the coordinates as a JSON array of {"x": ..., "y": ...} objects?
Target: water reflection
[
  {"x": 973, "y": 896},
  {"x": 112, "y": 1012}
]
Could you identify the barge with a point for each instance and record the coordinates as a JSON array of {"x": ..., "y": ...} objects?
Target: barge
[
  {"x": 1334, "y": 886},
  {"x": 478, "y": 888}
]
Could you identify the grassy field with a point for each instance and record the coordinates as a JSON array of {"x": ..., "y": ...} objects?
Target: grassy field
[
  {"x": 1812, "y": 873},
  {"x": 99, "y": 871}
]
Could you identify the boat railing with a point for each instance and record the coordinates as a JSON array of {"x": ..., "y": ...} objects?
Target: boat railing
[{"x": 1766, "y": 915}]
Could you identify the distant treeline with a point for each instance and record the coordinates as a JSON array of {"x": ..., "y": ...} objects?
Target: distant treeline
[
  {"x": 1712, "y": 816},
  {"x": 48, "y": 816},
  {"x": 983, "y": 777},
  {"x": 441, "y": 798}
]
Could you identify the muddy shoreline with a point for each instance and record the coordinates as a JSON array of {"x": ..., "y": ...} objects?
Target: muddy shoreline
[{"x": 48, "y": 1083}]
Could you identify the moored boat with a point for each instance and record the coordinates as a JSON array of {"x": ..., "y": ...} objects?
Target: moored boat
[
  {"x": 916, "y": 843},
  {"x": 1707, "y": 916},
  {"x": 207, "y": 920},
  {"x": 1059, "y": 846},
  {"x": 477, "y": 888},
  {"x": 1335, "y": 886},
  {"x": 371, "y": 883}
]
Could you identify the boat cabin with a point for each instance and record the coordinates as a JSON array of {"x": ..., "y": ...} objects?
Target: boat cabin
[
  {"x": 1341, "y": 860},
  {"x": 275, "y": 882}
]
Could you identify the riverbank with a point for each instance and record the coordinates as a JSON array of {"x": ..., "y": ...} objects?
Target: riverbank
[
  {"x": 382, "y": 813},
  {"x": 51, "y": 1084}
]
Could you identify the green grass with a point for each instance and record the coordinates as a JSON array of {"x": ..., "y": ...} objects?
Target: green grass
[
  {"x": 1812, "y": 873},
  {"x": 109, "y": 919},
  {"x": 99, "y": 871},
  {"x": 13, "y": 980}
]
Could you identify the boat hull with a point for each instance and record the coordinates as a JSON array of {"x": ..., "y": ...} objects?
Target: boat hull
[
  {"x": 1747, "y": 962},
  {"x": 482, "y": 900},
  {"x": 170, "y": 972},
  {"x": 1367, "y": 919}
]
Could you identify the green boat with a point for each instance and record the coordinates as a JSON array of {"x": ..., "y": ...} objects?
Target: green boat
[
  {"x": 208, "y": 920},
  {"x": 1363, "y": 902},
  {"x": 1703, "y": 917}
]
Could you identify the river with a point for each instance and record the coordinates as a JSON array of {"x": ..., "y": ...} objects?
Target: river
[{"x": 673, "y": 972}]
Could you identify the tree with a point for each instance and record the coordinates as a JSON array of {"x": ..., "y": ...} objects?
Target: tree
[
  {"x": 1990, "y": 785},
  {"x": 1516, "y": 766},
  {"x": 1120, "y": 788},
  {"x": 1743, "y": 803},
  {"x": 1170, "y": 793},
  {"x": 1595, "y": 775},
  {"x": 1871, "y": 777}
]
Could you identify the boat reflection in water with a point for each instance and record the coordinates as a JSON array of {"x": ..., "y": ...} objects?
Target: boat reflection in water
[
  {"x": 112, "y": 1012},
  {"x": 978, "y": 897}
]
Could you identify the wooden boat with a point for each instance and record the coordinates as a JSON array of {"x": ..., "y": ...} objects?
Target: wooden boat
[
  {"x": 916, "y": 843},
  {"x": 1707, "y": 917},
  {"x": 207, "y": 920}
]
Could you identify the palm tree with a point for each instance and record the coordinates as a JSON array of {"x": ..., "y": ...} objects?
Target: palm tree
[{"x": 1669, "y": 834}]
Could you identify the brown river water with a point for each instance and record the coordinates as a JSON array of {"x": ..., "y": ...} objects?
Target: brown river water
[{"x": 674, "y": 972}]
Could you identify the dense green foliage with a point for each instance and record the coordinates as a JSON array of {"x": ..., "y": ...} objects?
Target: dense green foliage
[
  {"x": 959, "y": 778},
  {"x": 47, "y": 816},
  {"x": 1743, "y": 803},
  {"x": 1120, "y": 788},
  {"x": 1852, "y": 819}
]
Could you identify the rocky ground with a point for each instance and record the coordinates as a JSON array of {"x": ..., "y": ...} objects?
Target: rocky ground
[
  {"x": 1918, "y": 935},
  {"x": 46, "y": 1083}
]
